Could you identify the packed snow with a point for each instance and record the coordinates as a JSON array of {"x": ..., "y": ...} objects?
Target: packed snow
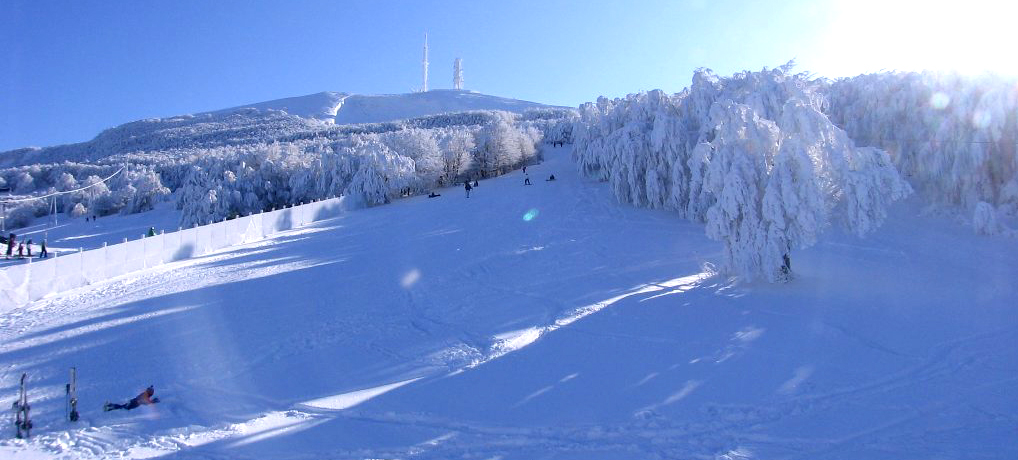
[{"x": 542, "y": 321}]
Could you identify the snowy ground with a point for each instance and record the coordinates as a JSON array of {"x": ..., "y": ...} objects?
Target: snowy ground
[{"x": 541, "y": 321}]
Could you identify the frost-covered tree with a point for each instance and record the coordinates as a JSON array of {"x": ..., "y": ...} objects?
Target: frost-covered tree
[
  {"x": 78, "y": 210},
  {"x": 457, "y": 155},
  {"x": 954, "y": 137},
  {"x": 984, "y": 220},
  {"x": 753, "y": 156},
  {"x": 24, "y": 183},
  {"x": 146, "y": 190}
]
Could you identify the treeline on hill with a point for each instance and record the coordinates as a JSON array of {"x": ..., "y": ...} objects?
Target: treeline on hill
[
  {"x": 222, "y": 166},
  {"x": 768, "y": 159}
]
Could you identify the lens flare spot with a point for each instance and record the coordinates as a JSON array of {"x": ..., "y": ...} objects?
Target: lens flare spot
[
  {"x": 981, "y": 119},
  {"x": 530, "y": 215},
  {"x": 410, "y": 278},
  {"x": 939, "y": 100}
]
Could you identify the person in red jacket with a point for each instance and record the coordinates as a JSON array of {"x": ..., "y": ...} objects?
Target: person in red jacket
[{"x": 145, "y": 398}]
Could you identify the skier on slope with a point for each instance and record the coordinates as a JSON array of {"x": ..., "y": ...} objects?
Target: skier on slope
[
  {"x": 145, "y": 398},
  {"x": 467, "y": 187}
]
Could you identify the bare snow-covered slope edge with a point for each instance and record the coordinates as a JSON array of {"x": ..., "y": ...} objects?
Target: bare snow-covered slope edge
[{"x": 542, "y": 321}]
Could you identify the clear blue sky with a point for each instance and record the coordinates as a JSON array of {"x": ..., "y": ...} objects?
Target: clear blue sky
[{"x": 72, "y": 68}]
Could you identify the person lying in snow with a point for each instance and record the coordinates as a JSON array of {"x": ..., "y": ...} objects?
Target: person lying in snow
[{"x": 145, "y": 398}]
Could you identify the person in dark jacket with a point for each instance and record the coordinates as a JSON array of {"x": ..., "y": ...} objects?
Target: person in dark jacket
[
  {"x": 29, "y": 244},
  {"x": 10, "y": 245},
  {"x": 467, "y": 186},
  {"x": 42, "y": 250},
  {"x": 550, "y": 178},
  {"x": 145, "y": 398},
  {"x": 21, "y": 250}
]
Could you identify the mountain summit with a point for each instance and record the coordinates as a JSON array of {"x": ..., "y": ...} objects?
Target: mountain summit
[{"x": 344, "y": 108}]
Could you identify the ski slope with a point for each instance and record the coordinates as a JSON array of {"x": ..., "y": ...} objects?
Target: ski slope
[
  {"x": 542, "y": 321},
  {"x": 344, "y": 109}
]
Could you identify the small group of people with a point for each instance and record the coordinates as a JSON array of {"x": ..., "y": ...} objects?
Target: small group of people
[
  {"x": 526, "y": 179},
  {"x": 12, "y": 241}
]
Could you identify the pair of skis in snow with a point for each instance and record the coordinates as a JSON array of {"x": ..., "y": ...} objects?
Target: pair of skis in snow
[
  {"x": 22, "y": 420},
  {"x": 22, "y": 410},
  {"x": 71, "y": 391}
]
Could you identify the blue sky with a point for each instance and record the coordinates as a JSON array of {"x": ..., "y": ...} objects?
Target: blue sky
[{"x": 71, "y": 69}]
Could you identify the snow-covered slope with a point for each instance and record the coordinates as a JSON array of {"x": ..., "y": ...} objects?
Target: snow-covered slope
[
  {"x": 343, "y": 108},
  {"x": 385, "y": 107},
  {"x": 542, "y": 321},
  {"x": 320, "y": 106}
]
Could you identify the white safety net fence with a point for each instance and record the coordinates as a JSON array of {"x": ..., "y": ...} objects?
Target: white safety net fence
[{"x": 33, "y": 280}]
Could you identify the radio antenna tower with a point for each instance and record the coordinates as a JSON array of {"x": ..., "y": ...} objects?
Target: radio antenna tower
[
  {"x": 457, "y": 74},
  {"x": 424, "y": 64}
]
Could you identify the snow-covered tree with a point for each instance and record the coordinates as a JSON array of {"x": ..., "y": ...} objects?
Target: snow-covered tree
[
  {"x": 24, "y": 183},
  {"x": 78, "y": 210},
  {"x": 753, "y": 156}
]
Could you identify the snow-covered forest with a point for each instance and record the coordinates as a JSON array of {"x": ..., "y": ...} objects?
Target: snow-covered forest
[
  {"x": 769, "y": 159},
  {"x": 222, "y": 165},
  {"x": 954, "y": 138}
]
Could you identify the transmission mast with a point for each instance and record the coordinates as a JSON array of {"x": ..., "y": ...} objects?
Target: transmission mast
[
  {"x": 424, "y": 64},
  {"x": 457, "y": 74}
]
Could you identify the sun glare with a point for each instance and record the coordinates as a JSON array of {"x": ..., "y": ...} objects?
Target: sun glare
[{"x": 970, "y": 37}]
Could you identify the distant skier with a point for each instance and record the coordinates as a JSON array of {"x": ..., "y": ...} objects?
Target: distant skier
[
  {"x": 526, "y": 181},
  {"x": 145, "y": 398},
  {"x": 476, "y": 183},
  {"x": 151, "y": 231},
  {"x": 10, "y": 245},
  {"x": 29, "y": 244},
  {"x": 550, "y": 178},
  {"x": 21, "y": 250},
  {"x": 433, "y": 195},
  {"x": 524, "y": 170},
  {"x": 467, "y": 186},
  {"x": 42, "y": 250}
]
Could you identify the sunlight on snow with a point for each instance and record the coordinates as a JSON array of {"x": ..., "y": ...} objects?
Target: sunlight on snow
[
  {"x": 35, "y": 340},
  {"x": 509, "y": 342},
  {"x": 801, "y": 374},
  {"x": 353, "y": 398},
  {"x": 686, "y": 390}
]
